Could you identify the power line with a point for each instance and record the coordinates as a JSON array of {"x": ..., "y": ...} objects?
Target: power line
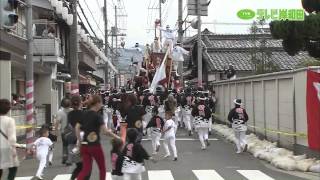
[
  {"x": 149, "y": 14},
  {"x": 87, "y": 23},
  {"x": 155, "y": 4},
  {"x": 82, "y": 22},
  {"x": 122, "y": 22},
  {"x": 167, "y": 12},
  {"x": 86, "y": 20},
  {"x": 93, "y": 18},
  {"x": 184, "y": 9},
  {"x": 99, "y": 20},
  {"x": 98, "y": 3},
  {"x": 152, "y": 13},
  {"x": 112, "y": 6}
]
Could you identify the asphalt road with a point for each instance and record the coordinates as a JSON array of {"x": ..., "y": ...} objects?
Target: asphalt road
[{"x": 219, "y": 161}]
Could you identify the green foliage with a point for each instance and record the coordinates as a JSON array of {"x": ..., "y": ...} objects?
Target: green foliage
[
  {"x": 310, "y": 62},
  {"x": 311, "y": 5},
  {"x": 313, "y": 48},
  {"x": 261, "y": 56},
  {"x": 299, "y": 35},
  {"x": 292, "y": 45},
  {"x": 311, "y": 26},
  {"x": 267, "y": 67}
]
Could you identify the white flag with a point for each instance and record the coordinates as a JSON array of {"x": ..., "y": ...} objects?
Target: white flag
[{"x": 159, "y": 76}]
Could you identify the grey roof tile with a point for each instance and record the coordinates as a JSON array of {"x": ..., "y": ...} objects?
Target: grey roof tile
[
  {"x": 242, "y": 60},
  {"x": 223, "y": 49}
]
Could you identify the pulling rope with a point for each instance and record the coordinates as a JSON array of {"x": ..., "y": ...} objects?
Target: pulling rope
[{"x": 285, "y": 133}]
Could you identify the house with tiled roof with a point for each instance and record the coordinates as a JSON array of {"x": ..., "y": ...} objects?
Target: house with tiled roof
[{"x": 237, "y": 49}]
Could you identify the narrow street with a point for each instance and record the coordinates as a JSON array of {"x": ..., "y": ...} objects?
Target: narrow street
[
  {"x": 218, "y": 162},
  {"x": 249, "y": 69}
]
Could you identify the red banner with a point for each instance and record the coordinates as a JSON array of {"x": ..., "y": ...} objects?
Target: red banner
[{"x": 313, "y": 109}]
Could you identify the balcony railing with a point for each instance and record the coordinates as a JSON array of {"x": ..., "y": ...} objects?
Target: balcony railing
[
  {"x": 46, "y": 47},
  {"x": 19, "y": 30}
]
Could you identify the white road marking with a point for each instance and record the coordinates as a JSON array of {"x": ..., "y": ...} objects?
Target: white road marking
[
  {"x": 207, "y": 175},
  {"x": 185, "y": 139},
  {"x": 23, "y": 178},
  {"x": 160, "y": 175},
  {"x": 109, "y": 177},
  {"x": 254, "y": 175},
  {"x": 167, "y": 175},
  {"x": 62, "y": 177}
]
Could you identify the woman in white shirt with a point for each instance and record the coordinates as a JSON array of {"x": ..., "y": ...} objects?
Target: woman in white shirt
[{"x": 8, "y": 155}]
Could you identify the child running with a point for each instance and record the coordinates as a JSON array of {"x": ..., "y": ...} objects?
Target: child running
[
  {"x": 134, "y": 156},
  {"x": 53, "y": 138},
  {"x": 156, "y": 124},
  {"x": 169, "y": 133},
  {"x": 116, "y": 159},
  {"x": 42, "y": 146}
]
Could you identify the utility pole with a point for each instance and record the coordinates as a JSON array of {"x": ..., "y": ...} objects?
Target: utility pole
[
  {"x": 180, "y": 21},
  {"x": 198, "y": 8},
  {"x": 74, "y": 61},
  {"x": 29, "y": 77},
  {"x": 106, "y": 72},
  {"x": 180, "y": 38},
  {"x": 160, "y": 18},
  {"x": 199, "y": 44},
  {"x": 116, "y": 46}
]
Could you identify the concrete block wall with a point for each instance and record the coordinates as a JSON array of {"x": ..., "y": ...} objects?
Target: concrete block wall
[{"x": 275, "y": 101}]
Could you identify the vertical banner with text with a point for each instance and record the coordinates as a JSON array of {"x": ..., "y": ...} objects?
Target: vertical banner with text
[{"x": 313, "y": 109}]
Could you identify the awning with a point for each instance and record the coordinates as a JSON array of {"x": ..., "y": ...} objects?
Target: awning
[
  {"x": 97, "y": 78},
  {"x": 87, "y": 80},
  {"x": 42, "y": 4},
  {"x": 94, "y": 76}
]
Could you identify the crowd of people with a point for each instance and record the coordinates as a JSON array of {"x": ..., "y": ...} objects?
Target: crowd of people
[
  {"x": 82, "y": 120},
  {"x": 150, "y": 115}
]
